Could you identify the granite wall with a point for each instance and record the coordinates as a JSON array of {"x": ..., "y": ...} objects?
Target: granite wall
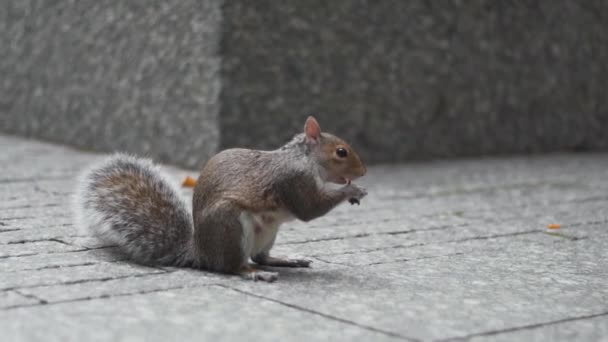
[
  {"x": 418, "y": 79},
  {"x": 140, "y": 76},
  {"x": 178, "y": 80}
]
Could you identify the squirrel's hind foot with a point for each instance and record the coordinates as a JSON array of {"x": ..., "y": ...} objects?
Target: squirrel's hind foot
[{"x": 251, "y": 273}]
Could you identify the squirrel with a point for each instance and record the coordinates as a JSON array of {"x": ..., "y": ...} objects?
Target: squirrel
[{"x": 241, "y": 198}]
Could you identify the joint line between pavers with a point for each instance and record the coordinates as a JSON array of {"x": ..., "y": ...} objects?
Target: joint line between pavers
[
  {"x": 32, "y": 180},
  {"x": 53, "y": 239},
  {"x": 414, "y": 259},
  {"x": 364, "y": 235},
  {"x": 485, "y": 189},
  {"x": 356, "y": 236},
  {"x": 90, "y": 263},
  {"x": 80, "y": 281},
  {"x": 334, "y": 318},
  {"x": 512, "y": 206},
  {"x": 410, "y": 231},
  {"x": 14, "y": 218},
  {"x": 103, "y": 296},
  {"x": 43, "y": 253},
  {"x": 31, "y": 296},
  {"x": 523, "y": 327},
  {"x": 9, "y": 230},
  {"x": 18, "y": 256},
  {"x": 29, "y": 206},
  {"x": 398, "y": 260},
  {"x": 331, "y": 262},
  {"x": 81, "y": 249},
  {"x": 495, "y": 236},
  {"x": 59, "y": 240}
]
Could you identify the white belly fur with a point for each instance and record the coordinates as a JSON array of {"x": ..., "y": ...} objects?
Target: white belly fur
[{"x": 260, "y": 229}]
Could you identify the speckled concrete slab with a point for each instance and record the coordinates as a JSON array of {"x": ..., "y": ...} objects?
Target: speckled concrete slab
[{"x": 451, "y": 250}]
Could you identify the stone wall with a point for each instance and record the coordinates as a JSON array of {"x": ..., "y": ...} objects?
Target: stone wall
[
  {"x": 418, "y": 79},
  {"x": 137, "y": 76}
]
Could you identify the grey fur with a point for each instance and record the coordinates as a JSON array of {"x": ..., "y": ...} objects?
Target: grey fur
[{"x": 126, "y": 201}]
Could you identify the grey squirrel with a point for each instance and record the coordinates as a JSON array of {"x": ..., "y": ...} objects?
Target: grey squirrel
[{"x": 241, "y": 198}]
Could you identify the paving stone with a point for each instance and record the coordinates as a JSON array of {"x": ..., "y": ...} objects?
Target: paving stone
[
  {"x": 47, "y": 212},
  {"x": 57, "y": 260},
  {"x": 32, "y": 248},
  {"x": 438, "y": 250},
  {"x": 45, "y": 217},
  {"x": 37, "y": 233},
  {"x": 441, "y": 176},
  {"x": 38, "y": 162},
  {"x": 414, "y": 231},
  {"x": 33, "y": 202},
  {"x": 208, "y": 313},
  {"x": 10, "y": 299},
  {"x": 499, "y": 284},
  {"x": 125, "y": 286},
  {"x": 583, "y": 329},
  {"x": 30, "y": 278},
  {"x": 382, "y": 244},
  {"x": 454, "y": 248}
]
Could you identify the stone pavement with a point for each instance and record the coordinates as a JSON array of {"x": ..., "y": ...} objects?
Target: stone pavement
[{"x": 445, "y": 250}]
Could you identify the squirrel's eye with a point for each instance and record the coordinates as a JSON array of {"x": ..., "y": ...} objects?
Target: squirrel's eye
[{"x": 341, "y": 152}]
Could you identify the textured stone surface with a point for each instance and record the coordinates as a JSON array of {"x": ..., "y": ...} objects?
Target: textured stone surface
[
  {"x": 135, "y": 76},
  {"x": 417, "y": 79},
  {"x": 49, "y": 276},
  {"x": 177, "y": 80},
  {"x": 587, "y": 328},
  {"x": 208, "y": 313},
  {"x": 147, "y": 283},
  {"x": 10, "y": 299},
  {"x": 57, "y": 260},
  {"x": 438, "y": 250},
  {"x": 486, "y": 288},
  {"x": 33, "y": 248}
]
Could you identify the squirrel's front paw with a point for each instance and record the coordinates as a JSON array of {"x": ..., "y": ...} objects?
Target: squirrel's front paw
[{"x": 354, "y": 193}]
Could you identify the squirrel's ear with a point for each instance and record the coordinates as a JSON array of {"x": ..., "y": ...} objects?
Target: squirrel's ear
[{"x": 312, "y": 129}]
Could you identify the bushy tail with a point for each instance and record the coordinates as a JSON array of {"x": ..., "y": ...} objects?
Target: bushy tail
[{"x": 126, "y": 201}]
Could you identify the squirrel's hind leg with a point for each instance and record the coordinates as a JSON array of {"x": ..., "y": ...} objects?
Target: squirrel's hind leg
[{"x": 263, "y": 258}]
